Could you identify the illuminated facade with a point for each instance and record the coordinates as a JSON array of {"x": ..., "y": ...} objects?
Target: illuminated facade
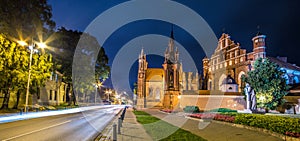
[
  {"x": 230, "y": 60},
  {"x": 168, "y": 86}
]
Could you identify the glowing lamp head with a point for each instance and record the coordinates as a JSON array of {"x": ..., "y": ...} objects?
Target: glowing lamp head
[
  {"x": 22, "y": 43},
  {"x": 41, "y": 45}
]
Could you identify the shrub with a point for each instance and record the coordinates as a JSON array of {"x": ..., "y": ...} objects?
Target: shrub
[
  {"x": 283, "y": 125},
  {"x": 191, "y": 109}
]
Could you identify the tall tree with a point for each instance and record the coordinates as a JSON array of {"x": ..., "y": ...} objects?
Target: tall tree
[
  {"x": 25, "y": 18},
  {"x": 268, "y": 83},
  {"x": 89, "y": 67},
  {"x": 14, "y": 66},
  {"x": 66, "y": 43}
]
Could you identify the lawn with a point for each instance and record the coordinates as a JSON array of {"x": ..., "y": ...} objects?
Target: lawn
[{"x": 161, "y": 130}]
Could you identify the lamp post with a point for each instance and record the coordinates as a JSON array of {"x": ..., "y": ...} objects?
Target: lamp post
[
  {"x": 96, "y": 87},
  {"x": 41, "y": 45},
  {"x": 108, "y": 92}
]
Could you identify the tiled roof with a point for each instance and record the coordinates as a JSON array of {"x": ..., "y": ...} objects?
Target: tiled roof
[{"x": 284, "y": 64}]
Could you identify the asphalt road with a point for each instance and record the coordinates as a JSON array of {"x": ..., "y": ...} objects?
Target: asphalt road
[{"x": 80, "y": 126}]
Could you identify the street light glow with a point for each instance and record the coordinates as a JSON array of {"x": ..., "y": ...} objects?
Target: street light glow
[
  {"x": 22, "y": 43},
  {"x": 41, "y": 45}
]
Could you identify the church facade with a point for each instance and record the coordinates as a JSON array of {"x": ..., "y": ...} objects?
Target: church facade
[
  {"x": 218, "y": 86},
  {"x": 163, "y": 86},
  {"x": 230, "y": 60}
]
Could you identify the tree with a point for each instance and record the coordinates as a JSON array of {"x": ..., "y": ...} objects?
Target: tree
[
  {"x": 67, "y": 42},
  {"x": 14, "y": 66},
  {"x": 24, "y": 18},
  {"x": 268, "y": 83},
  {"x": 89, "y": 66}
]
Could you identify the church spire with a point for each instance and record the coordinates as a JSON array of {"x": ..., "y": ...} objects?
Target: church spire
[
  {"x": 170, "y": 54},
  {"x": 172, "y": 33}
]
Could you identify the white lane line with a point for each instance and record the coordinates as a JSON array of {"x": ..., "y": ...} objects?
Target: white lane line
[{"x": 37, "y": 130}]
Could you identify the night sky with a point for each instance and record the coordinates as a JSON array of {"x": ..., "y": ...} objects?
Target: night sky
[{"x": 278, "y": 20}]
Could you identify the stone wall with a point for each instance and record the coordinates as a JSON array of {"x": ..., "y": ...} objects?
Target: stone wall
[{"x": 209, "y": 102}]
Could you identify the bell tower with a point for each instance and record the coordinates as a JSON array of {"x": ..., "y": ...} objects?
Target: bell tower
[
  {"x": 141, "y": 90},
  {"x": 171, "y": 68},
  {"x": 259, "y": 46}
]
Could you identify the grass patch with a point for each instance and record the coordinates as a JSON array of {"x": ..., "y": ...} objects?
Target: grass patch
[
  {"x": 159, "y": 129},
  {"x": 140, "y": 113}
]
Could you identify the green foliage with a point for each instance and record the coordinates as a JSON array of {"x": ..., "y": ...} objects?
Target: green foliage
[
  {"x": 158, "y": 129},
  {"x": 88, "y": 67},
  {"x": 191, "y": 109},
  {"x": 66, "y": 42},
  {"x": 14, "y": 66},
  {"x": 24, "y": 17},
  {"x": 268, "y": 83},
  {"x": 277, "y": 124},
  {"x": 83, "y": 83},
  {"x": 222, "y": 110}
]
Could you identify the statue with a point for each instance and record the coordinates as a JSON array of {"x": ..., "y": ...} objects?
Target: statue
[{"x": 251, "y": 98}]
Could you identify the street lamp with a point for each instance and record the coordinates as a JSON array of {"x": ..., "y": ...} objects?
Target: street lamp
[
  {"x": 97, "y": 85},
  {"x": 108, "y": 92},
  {"x": 41, "y": 45}
]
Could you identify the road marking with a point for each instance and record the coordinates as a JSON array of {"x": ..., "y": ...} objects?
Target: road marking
[{"x": 37, "y": 130}]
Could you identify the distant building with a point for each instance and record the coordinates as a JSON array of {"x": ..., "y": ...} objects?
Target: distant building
[{"x": 54, "y": 91}]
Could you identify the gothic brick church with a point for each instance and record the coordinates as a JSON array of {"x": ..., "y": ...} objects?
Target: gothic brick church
[{"x": 170, "y": 87}]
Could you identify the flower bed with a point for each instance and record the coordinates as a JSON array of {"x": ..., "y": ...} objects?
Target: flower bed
[
  {"x": 219, "y": 117},
  {"x": 283, "y": 125}
]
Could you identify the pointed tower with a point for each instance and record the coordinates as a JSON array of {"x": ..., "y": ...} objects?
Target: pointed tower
[
  {"x": 141, "y": 89},
  {"x": 259, "y": 46},
  {"x": 171, "y": 68}
]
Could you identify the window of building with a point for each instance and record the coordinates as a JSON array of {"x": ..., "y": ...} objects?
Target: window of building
[
  {"x": 223, "y": 43},
  {"x": 157, "y": 96},
  {"x": 55, "y": 95},
  {"x": 50, "y": 95}
]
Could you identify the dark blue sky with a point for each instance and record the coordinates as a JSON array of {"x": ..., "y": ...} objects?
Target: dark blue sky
[{"x": 279, "y": 20}]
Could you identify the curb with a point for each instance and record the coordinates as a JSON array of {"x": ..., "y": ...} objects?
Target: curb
[{"x": 106, "y": 133}]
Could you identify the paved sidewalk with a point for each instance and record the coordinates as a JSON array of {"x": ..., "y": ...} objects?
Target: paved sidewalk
[
  {"x": 131, "y": 130},
  {"x": 213, "y": 131}
]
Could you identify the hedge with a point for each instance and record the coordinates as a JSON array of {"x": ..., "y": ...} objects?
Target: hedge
[
  {"x": 279, "y": 124},
  {"x": 191, "y": 109},
  {"x": 222, "y": 110}
]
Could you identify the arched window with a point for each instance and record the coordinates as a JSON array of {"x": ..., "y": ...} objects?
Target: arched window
[
  {"x": 157, "y": 94},
  {"x": 150, "y": 92}
]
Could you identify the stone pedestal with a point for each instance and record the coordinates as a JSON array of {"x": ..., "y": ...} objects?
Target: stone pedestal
[{"x": 248, "y": 111}]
